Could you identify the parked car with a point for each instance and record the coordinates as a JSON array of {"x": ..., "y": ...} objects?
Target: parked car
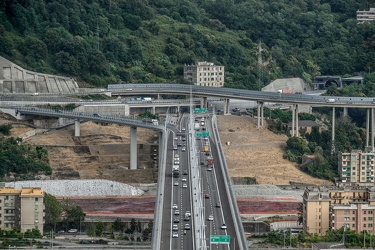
[{"x": 72, "y": 231}]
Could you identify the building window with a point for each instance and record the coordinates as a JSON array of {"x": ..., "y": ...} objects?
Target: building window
[
  {"x": 346, "y": 219},
  {"x": 369, "y": 212},
  {"x": 364, "y": 212},
  {"x": 353, "y": 212},
  {"x": 369, "y": 218},
  {"x": 353, "y": 218},
  {"x": 345, "y": 212}
]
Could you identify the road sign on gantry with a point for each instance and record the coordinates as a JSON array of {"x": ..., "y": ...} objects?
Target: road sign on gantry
[{"x": 220, "y": 239}]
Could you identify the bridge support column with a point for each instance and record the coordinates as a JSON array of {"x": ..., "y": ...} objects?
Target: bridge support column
[
  {"x": 158, "y": 97},
  {"x": 133, "y": 147},
  {"x": 226, "y": 107},
  {"x": 262, "y": 114},
  {"x": 372, "y": 128},
  {"x": 77, "y": 128},
  {"x": 368, "y": 128},
  {"x": 178, "y": 109},
  {"x": 345, "y": 111},
  {"x": 297, "y": 132},
  {"x": 153, "y": 110},
  {"x": 258, "y": 115},
  {"x": 333, "y": 130},
  {"x": 293, "y": 121},
  {"x": 204, "y": 102}
]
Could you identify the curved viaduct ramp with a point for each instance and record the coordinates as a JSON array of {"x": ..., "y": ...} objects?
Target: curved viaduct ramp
[{"x": 15, "y": 79}]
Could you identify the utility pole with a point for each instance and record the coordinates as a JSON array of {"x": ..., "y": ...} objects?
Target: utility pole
[{"x": 260, "y": 64}]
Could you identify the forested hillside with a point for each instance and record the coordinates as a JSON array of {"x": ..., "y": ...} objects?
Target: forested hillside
[{"x": 103, "y": 42}]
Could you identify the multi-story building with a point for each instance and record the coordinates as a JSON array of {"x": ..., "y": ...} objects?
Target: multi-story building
[
  {"x": 315, "y": 214},
  {"x": 332, "y": 208},
  {"x": 22, "y": 209},
  {"x": 366, "y": 15},
  {"x": 356, "y": 167},
  {"x": 205, "y": 74}
]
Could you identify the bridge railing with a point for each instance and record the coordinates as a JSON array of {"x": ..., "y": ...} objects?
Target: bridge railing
[
  {"x": 158, "y": 214},
  {"x": 241, "y": 239}
]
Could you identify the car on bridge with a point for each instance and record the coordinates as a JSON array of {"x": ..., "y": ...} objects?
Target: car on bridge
[
  {"x": 175, "y": 235},
  {"x": 224, "y": 227},
  {"x": 210, "y": 217},
  {"x": 174, "y": 206}
]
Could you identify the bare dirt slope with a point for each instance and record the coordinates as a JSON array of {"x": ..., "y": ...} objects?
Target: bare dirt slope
[
  {"x": 258, "y": 153},
  {"x": 101, "y": 152}
]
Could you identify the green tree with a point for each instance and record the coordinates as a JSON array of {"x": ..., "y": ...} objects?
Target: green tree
[
  {"x": 53, "y": 211},
  {"x": 73, "y": 214},
  {"x": 99, "y": 228},
  {"x": 118, "y": 225},
  {"x": 295, "y": 148}
]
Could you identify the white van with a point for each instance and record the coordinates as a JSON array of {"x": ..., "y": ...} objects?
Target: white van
[{"x": 331, "y": 100}]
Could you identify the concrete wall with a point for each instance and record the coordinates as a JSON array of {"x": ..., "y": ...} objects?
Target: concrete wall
[
  {"x": 14, "y": 79},
  {"x": 118, "y": 110}
]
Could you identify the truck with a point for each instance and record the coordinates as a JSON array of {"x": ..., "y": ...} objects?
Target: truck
[
  {"x": 147, "y": 99},
  {"x": 331, "y": 100},
  {"x": 196, "y": 125},
  {"x": 285, "y": 91},
  {"x": 176, "y": 170},
  {"x": 150, "y": 121},
  {"x": 210, "y": 161},
  {"x": 206, "y": 148}
]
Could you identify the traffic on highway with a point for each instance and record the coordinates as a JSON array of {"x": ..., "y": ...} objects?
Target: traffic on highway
[{"x": 181, "y": 217}]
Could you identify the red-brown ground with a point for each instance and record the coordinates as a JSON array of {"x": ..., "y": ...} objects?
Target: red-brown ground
[{"x": 146, "y": 205}]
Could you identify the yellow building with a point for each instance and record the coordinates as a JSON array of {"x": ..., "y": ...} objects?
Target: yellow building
[
  {"x": 205, "y": 74},
  {"x": 22, "y": 209},
  {"x": 356, "y": 167},
  {"x": 315, "y": 215},
  {"x": 334, "y": 207}
]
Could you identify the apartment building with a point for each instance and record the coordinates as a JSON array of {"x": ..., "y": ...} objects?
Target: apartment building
[
  {"x": 205, "y": 74},
  {"x": 315, "y": 216},
  {"x": 356, "y": 167},
  {"x": 366, "y": 15},
  {"x": 334, "y": 207},
  {"x": 22, "y": 209}
]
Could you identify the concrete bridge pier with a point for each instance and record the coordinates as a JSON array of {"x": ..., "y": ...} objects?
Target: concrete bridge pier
[
  {"x": 293, "y": 121},
  {"x": 345, "y": 111},
  {"x": 133, "y": 147},
  {"x": 77, "y": 128},
  {"x": 368, "y": 128},
  {"x": 297, "y": 132},
  {"x": 153, "y": 110},
  {"x": 261, "y": 114},
  {"x": 258, "y": 114},
  {"x": 204, "y": 102},
  {"x": 372, "y": 128},
  {"x": 226, "y": 107},
  {"x": 333, "y": 129}
]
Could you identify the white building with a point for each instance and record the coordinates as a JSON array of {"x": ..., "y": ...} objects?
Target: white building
[
  {"x": 205, "y": 74},
  {"x": 366, "y": 15}
]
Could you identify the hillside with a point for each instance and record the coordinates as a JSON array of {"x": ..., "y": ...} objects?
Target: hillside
[
  {"x": 105, "y": 42},
  {"x": 258, "y": 153}
]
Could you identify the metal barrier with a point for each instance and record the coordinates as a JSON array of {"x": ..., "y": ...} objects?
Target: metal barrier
[
  {"x": 158, "y": 214},
  {"x": 241, "y": 239}
]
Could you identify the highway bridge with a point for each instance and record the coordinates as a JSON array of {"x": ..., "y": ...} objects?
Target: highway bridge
[{"x": 217, "y": 184}]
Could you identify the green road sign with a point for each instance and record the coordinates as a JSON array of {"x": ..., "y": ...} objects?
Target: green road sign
[
  {"x": 206, "y": 134},
  {"x": 200, "y": 110},
  {"x": 220, "y": 239},
  {"x": 198, "y": 134}
]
